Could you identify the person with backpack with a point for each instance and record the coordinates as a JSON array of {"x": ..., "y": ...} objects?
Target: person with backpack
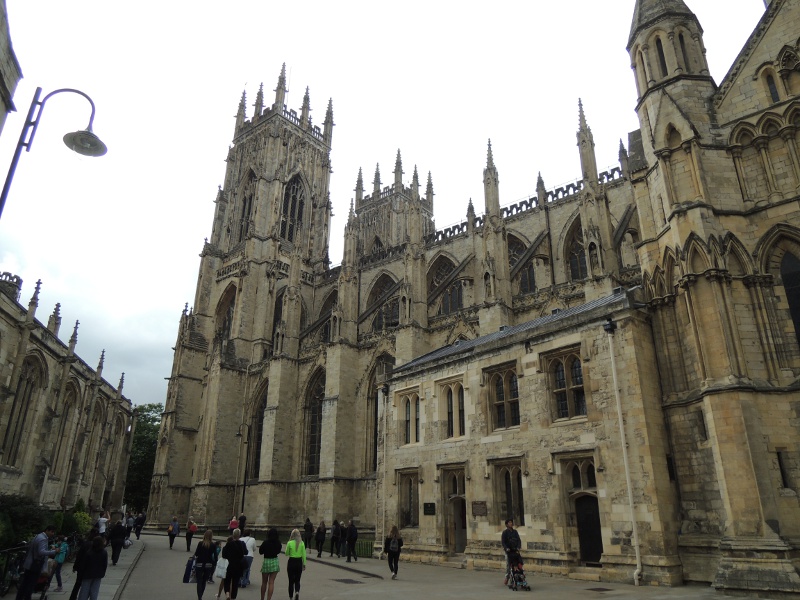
[{"x": 392, "y": 547}]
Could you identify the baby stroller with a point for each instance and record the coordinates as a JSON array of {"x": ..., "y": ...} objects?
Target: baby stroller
[{"x": 516, "y": 575}]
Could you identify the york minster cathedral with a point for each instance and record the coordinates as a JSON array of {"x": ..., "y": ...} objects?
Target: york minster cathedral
[{"x": 614, "y": 364}]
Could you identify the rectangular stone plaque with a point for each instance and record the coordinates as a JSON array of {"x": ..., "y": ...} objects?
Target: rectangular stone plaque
[
  {"x": 479, "y": 509},
  {"x": 429, "y": 508}
]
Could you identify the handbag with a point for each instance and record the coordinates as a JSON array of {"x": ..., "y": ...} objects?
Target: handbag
[
  {"x": 127, "y": 543},
  {"x": 189, "y": 571},
  {"x": 222, "y": 568}
]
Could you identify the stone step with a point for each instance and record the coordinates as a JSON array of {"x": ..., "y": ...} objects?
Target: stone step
[
  {"x": 454, "y": 562},
  {"x": 585, "y": 574}
]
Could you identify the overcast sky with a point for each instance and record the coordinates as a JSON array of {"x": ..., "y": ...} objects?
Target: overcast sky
[{"x": 116, "y": 240}]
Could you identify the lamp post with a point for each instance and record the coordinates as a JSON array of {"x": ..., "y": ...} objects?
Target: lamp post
[
  {"x": 83, "y": 142},
  {"x": 245, "y": 441}
]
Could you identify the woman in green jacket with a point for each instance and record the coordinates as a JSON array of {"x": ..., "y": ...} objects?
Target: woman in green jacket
[{"x": 296, "y": 551}]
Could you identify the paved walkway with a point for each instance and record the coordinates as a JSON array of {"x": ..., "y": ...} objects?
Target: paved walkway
[{"x": 149, "y": 570}]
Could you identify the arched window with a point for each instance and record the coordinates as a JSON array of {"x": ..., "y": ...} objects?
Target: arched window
[
  {"x": 527, "y": 283},
  {"x": 515, "y": 250},
  {"x": 662, "y": 60},
  {"x": 449, "y": 412},
  {"x": 790, "y": 276},
  {"x": 328, "y": 332},
  {"x": 244, "y": 215},
  {"x": 461, "y": 418},
  {"x": 505, "y": 397},
  {"x": 292, "y": 209},
  {"x": 225, "y": 314},
  {"x": 316, "y": 394},
  {"x": 408, "y": 422},
  {"x": 512, "y": 502},
  {"x": 256, "y": 437},
  {"x": 416, "y": 419},
  {"x": 773, "y": 89},
  {"x": 685, "y": 55},
  {"x": 30, "y": 381},
  {"x": 577, "y": 254},
  {"x": 63, "y": 439},
  {"x": 452, "y": 299},
  {"x": 567, "y": 383},
  {"x": 388, "y": 314},
  {"x": 576, "y": 477}
]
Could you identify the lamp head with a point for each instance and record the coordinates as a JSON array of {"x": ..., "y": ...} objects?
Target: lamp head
[{"x": 85, "y": 142}]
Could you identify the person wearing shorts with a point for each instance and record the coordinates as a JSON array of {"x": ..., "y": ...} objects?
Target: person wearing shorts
[{"x": 270, "y": 567}]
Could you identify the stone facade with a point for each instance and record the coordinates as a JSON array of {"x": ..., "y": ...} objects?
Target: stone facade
[
  {"x": 65, "y": 432},
  {"x": 10, "y": 72},
  {"x": 614, "y": 363}
]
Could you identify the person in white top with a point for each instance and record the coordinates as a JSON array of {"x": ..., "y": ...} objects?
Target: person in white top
[
  {"x": 102, "y": 521},
  {"x": 250, "y": 543}
]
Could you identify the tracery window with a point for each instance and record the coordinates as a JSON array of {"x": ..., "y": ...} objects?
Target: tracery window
[
  {"x": 662, "y": 61},
  {"x": 316, "y": 394},
  {"x": 577, "y": 254},
  {"x": 245, "y": 215},
  {"x": 790, "y": 276},
  {"x": 63, "y": 437},
  {"x": 504, "y": 393},
  {"x": 452, "y": 299},
  {"x": 566, "y": 380},
  {"x": 510, "y": 492},
  {"x": 773, "y": 89},
  {"x": 409, "y": 499},
  {"x": 30, "y": 382},
  {"x": 515, "y": 250},
  {"x": 527, "y": 283},
  {"x": 292, "y": 208},
  {"x": 410, "y": 407},
  {"x": 256, "y": 435}
]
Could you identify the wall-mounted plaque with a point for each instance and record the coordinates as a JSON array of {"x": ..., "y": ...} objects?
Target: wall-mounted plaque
[
  {"x": 429, "y": 508},
  {"x": 479, "y": 509}
]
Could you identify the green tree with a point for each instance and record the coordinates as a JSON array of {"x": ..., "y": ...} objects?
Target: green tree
[{"x": 143, "y": 455}]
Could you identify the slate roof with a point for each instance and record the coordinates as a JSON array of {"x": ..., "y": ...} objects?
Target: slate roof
[{"x": 469, "y": 346}]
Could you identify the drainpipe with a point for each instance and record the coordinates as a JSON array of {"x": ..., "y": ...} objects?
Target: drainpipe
[
  {"x": 610, "y": 327},
  {"x": 384, "y": 397}
]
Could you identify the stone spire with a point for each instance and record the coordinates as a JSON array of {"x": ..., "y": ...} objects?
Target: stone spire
[
  {"x": 305, "y": 111},
  {"x": 54, "y": 322},
  {"x": 623, "y": 160},
  {"x": 259, "y": 105},
  {"x": 121, "y": 384},
  {"x": 376, "y": 183},
  {"x": 415, "y": 184},
  {"x": 586, "y": 146},
  {"x": 429, "y": 190},
  {"x": 491, "y": 185},
  {"x": 34, "y": 302},
  {"x": 73, "y": 340},
  {"x": 280, "y": 91},
  {"x": 649, "y": 12},
  {"x": 541, "y": 191},
  {"x": 240, "y": 114},
  {"x": 398, "y": 172},
  {"x": 327, "y": 126},
  {"x": 359, "y": 189},
  {"x": 100, "y": 364}
]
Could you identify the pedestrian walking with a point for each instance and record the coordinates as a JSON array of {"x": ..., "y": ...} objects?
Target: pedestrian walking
[
  {"x": 222, "y": 567},
  {"x": 205, "y": 559},
  {"x": 319, "y": 537},
  {"x": 191, "y": 529},
  {"x": 95, "y": 563},
  {"x": 308, "y": 532},
  {"x": 234, "y": 524},
  {"x": 270, "y": 567},
  {"x": 77, "y": 566},
  {"x": 509, "y": 539},
  {"x": 130, "y": 521},
  {"x": 352, "y": 537},
  {"x": 249, "y": 543},
  {"x": 35, "y": 560},
  {"x": 138, "y": 524},
  {"x": 296, "y": 551},
  {"x": 391, "y": 547},
  {"x": 235, "y": 552},
  {"x": 173, "y": 530},
  {"x": 336, "y": 535},
  {"x": 116, "y": 537},
  {"x": 63, "y": 550}
]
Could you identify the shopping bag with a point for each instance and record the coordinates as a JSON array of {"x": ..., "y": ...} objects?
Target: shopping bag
[
  {"x": 222, "y": 568},
  {"x": 127, "y": 543},
  {"x": 187, "y": 574}
]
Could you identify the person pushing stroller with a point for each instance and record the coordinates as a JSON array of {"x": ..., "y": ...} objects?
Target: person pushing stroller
[{"x": 509, "y": 539}]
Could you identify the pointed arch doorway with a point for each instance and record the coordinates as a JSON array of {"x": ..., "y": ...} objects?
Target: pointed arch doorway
[
  {"x": 587, "y": 516},
  {"x": 456, "y": 513}
]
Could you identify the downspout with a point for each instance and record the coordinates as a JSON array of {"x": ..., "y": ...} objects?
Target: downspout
[
  {"x": 384, "y": 391},
  {"x": 609, "y": 328}
]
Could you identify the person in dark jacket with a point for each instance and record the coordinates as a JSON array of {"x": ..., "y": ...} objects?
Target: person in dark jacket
[
  {"x": 270, "y": 567},
  {"x": 138, "y": 524},
  {"x": 391, "y": 546},
  {"x": 234, "y": 551},
  {"x": 510, "y": 540},
  {"x": 308, "y": 532},
  {"x": 93, "y": 569},
  {"x": 35, "y": 559},
  {"x": 205, "y": 561},
  {"x": 319, "y": 537},
  {"x": 116, "y": 537},
  {"x": 78, "y": 564},
  {"x": 336, "y": 534},
  {"x": 352, "y": 536}
]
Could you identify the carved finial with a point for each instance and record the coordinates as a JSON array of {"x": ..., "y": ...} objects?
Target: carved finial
[
  {"x": 280, "y": 90},
  {"x": 185, "y": 309},
  {"x": 376, "y": 182},
  {"x": 539, "y": 182},
  {"x": 73, "y": 340},
  {"x": 35, "y": 297},
  {"x": 259, "y": 104},
  {"x": 121, "y": 383},
  {"x": 328, "y": 124},
  {"x": 581, "y": 116},
  {"x": 100, "y": 364},
  {"x": 415, "y": 178},
  {"x": 305, "y": 110},
  {"x": 398, "y": 167},
  {"x": 489, "y": 157},
  {"x": 470, "y": 209}
]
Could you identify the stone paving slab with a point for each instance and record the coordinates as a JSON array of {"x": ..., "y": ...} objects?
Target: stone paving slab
[{"x": 155, "y": 572}]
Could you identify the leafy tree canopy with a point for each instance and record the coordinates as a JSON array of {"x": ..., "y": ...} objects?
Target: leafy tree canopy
[{"x": 143, "y": 455}]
